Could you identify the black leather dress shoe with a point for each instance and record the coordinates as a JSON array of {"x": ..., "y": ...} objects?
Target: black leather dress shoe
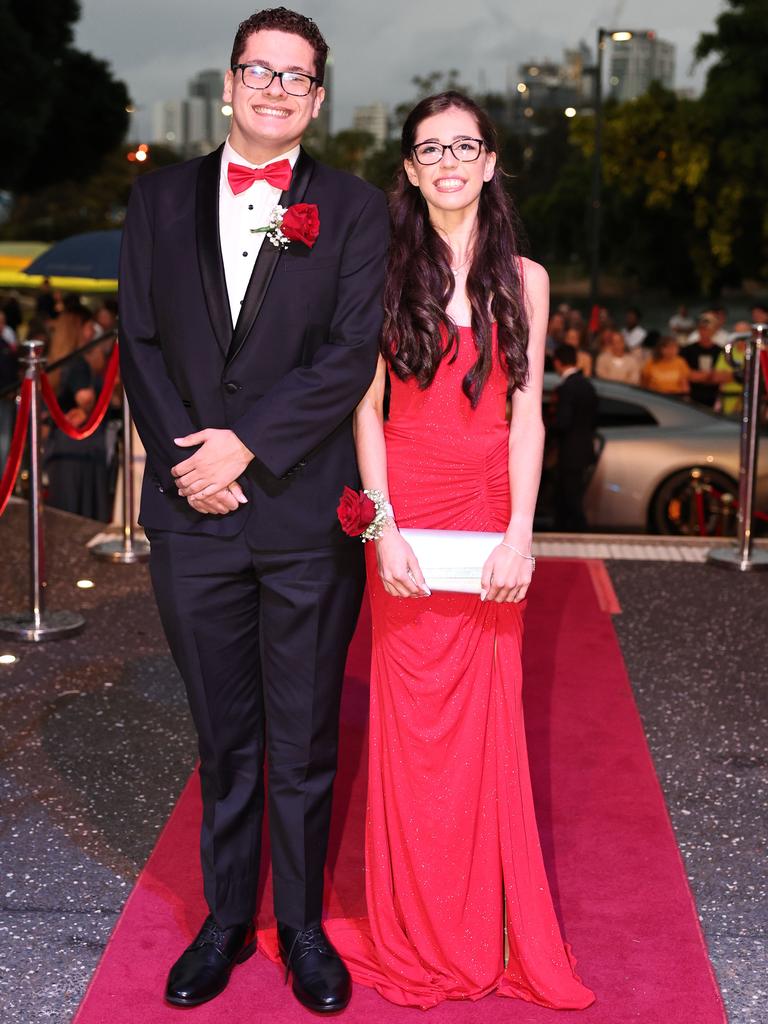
[
  {"x": 320, "y": 979},
  {"x": 203, "y": 969}
]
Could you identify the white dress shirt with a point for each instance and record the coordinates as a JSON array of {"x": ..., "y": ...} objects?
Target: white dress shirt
[
  {"x": 9, "y": 337},
  {"x": 237, "y": 215},
  {"x": 635, "y": 337}
]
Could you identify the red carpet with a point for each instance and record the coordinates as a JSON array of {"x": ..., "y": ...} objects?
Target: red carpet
[{"x": 616, "y": 875}]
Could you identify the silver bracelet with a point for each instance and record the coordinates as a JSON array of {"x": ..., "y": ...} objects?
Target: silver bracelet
[
  {"x": 384, "y": 515},
  {"x": 517, "y": 551}
]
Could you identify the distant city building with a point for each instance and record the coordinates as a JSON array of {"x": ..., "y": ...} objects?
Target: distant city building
[
  {"x": 196, "y": 124},
  {"x": 638, "y": 61},
  {"x": 568, "y": 85},
  {"x": 546, "y": 85},
  {"x": 373, "y": 119},
  {"x": 136, "y": 125},
  {"x": 577, "y": 70},
  {"x": 169, "y": 123},
  {"x": 198, "y": 116},
  {"x": 208, "y": 86}
]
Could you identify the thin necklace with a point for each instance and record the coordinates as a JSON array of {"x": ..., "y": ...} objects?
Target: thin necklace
[{"x": 455, "y": 270}]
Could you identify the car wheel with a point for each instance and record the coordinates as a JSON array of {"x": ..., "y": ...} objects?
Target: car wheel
[{"x": 695, "y": 502}]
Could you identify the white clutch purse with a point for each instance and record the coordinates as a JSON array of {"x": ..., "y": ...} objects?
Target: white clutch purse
[{"x": 452, "y": 559}]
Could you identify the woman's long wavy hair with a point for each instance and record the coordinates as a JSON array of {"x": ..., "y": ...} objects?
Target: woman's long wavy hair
[{"x": 418, "y": 333}]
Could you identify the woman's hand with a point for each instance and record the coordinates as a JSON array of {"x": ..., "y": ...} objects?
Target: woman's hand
[
  {"x": 398, "y": 567},
  {"x": 506, "y": 576}
]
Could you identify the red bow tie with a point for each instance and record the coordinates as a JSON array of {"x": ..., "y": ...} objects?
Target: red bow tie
[{"x": 277, "y": 174}]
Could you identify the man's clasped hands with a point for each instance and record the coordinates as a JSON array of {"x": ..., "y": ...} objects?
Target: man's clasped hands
[{"x": 208, "y": 478}]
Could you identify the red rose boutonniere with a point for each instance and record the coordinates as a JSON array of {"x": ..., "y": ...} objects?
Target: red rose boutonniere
[
  {"x": 301, "y": 223},
  {"x": 298, "y": 223}
]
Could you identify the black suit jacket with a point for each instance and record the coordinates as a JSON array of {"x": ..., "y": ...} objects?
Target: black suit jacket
[
  {"x": 575, "y": 422},
  {"x": 285, "y": 379}
]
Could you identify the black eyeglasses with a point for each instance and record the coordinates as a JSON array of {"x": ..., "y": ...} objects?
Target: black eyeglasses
[
  {"x": 256, "y": 76},
  {"x": 466, "y": 151}
]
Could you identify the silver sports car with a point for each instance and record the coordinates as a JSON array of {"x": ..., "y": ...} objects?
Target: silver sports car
[{"x": 663, "y": 465}]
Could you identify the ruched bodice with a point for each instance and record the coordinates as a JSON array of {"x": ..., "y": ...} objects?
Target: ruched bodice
[{"x": 434, "y": 437}]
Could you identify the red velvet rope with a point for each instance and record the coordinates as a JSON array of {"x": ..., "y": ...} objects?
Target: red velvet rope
[
  {"x": 764, "y": 364},
  {"x": 97, "y": 413},
  {"x": 19, "y": 439}
]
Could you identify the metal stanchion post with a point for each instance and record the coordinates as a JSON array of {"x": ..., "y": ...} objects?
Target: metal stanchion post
[
  {"x": 37, "y": 624},
  {"x": 128, "y": 549},
  {"x": 742, "y": 557}
]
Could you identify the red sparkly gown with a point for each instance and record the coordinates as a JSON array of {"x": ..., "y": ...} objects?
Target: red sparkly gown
[{"x": 451, "y": 829}]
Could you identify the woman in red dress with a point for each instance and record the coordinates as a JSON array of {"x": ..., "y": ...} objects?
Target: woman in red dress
[{"x": 452, "y": 849}]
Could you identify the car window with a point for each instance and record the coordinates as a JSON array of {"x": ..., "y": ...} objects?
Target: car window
[{"x": 613, "y": 412}]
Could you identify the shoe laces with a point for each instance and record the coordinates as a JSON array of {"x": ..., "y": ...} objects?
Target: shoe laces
[
  {"x": 304, "y": 942},
  {"x": 211, "y": 935}
]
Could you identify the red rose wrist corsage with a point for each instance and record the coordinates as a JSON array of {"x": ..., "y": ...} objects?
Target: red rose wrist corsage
[{"x": 364, "y": 513}]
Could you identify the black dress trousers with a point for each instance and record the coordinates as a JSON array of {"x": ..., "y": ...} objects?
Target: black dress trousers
[{"x": 260, "y": 639}]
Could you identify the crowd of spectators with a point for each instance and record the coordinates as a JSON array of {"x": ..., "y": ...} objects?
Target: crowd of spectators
[
  {"x": 685, "y": 358},
  {"x": 79, "y": 476}
]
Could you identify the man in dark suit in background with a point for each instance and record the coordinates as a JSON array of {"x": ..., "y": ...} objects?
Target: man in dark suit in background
[
  {"x": 575, "y": 422},
  {"x": 243, "y": 360}
]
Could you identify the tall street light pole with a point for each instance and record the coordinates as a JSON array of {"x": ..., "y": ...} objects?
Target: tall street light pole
[
  {"x": 597, "y": 177},
  {"x": 596, "y": 209}
]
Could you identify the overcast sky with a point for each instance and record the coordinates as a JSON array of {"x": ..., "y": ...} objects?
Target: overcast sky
[{"x": 156, "y": 46}]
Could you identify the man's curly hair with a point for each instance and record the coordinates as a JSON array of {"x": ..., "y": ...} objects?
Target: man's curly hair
[{"x": 280, "y": 19}]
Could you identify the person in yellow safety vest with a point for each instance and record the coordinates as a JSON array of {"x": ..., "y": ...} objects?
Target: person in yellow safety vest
[{"x": 732, "y": 380}]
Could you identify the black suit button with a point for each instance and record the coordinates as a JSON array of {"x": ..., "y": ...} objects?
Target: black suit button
[{"x": 230, "y": 387}]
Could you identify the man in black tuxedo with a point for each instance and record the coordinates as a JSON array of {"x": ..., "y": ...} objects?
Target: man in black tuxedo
[
  {"x": 243, "y": 361},
  {"x": 575, "y": 423}
]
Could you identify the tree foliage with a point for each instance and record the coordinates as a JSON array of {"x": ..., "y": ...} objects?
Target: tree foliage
[
  {"x": 68, "y": 111},
  {"x": 656, "y": 158},
  {"x": 685, "y": 193},
  {"x": 734, "y": 100},
  {"x": 94, "y": 204},
  {"x": 685, "y": 197},
  {"x": 348, "y": 150}
]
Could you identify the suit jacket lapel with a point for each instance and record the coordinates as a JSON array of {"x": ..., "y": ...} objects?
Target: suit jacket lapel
[
  {"x": 209, "y": 248},
  {"x": 268, "y": 258}
]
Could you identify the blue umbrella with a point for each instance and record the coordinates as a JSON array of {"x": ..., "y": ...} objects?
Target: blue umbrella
[{"x": 93, "y": 254}]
